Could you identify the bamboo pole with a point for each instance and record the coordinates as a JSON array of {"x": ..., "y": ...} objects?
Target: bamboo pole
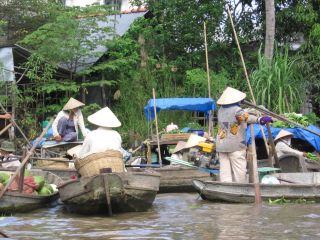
[
  {"x": 257, "y": 193},
  {"x": 256, "y": 184},
  {"x": 279, "y": 117},
  {"x": 25, "y": 160},
  {"x": 157, "y": 130},
  {"x": 210, "y": 127},
  {"x": 5, "y": 128}
]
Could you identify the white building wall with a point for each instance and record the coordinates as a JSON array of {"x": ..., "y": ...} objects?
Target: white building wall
[{"x": 82, "y": 3}]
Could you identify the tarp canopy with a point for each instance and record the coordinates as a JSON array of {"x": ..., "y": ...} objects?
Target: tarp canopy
[
  {"x": 189, "y": 104},
  {"x": 300, "y": 133}
]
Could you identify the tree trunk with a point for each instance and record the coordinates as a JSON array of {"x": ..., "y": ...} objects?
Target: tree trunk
[{"x": 270, "y": 29}]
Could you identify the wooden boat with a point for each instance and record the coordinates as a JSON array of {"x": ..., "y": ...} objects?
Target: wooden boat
[
  {"x": 175, "y": 178},
  {"x": 292, "y": 186},
  {"x": 127, "y": 191},
  {"x": 12, "y": 202}
]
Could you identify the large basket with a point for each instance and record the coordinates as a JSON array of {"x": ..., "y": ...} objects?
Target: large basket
[
  {"x": 91, "y": 165},
  {"x": 53, "y": 164}
]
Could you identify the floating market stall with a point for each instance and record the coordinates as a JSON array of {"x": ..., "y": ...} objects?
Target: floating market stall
[{"x": 38, "y": 191}]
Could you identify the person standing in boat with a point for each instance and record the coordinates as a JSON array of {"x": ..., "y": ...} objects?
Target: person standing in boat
[
  {"x": 231, "y": 137},
  {"x": 104, "y": 137},
  {"x": 68, "y": 121}
]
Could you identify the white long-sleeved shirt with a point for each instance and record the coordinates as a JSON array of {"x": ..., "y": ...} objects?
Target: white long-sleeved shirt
[
  {"x": 77, "y": 119},
  {"x": 100, "y": 140},
  {"x": 283, "y": 148}
]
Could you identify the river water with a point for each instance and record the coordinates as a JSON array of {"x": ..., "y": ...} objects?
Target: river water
[{"x": 173, "y": 216}]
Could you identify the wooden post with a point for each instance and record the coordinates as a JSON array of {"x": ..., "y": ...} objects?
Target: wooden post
[
  {"x": 107, "y": 192},
  {"x": 257, "y": 195},
  {"x": 157, "y": 130},
  {"x": 210, "y": 127},
  {"x": 21, "y": 179},
  {"x": 25, "y": 160},
  {"x": 273, "y": 148}
]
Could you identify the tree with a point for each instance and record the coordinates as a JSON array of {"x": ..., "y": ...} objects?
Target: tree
[
  {"x": 23, "y": 17},
  {"x": 270, "y": 29}
]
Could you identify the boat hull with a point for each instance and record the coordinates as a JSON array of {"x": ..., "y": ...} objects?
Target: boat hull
[
  {"x": 179, "y": 179},
  {"x": 128, "y": 192},
  {"x": 14, "y": 202},
  {"x": 244, "y": 193}
]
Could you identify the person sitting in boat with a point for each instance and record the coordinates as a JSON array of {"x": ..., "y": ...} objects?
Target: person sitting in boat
[
  {"x": 104, "y": 137},
  {"x": 178, "y": 151},
  {"x": 5, "y": 116},
  {"x": 68, "y": 121},
  {"x": 283, "y": 144},
  {"x": 231, "y": 137},
  {"x": 6, "y": 153}
]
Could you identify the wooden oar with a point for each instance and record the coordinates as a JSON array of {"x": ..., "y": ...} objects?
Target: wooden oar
[
  {"x": 279, "y": 117},
  {"x": 25, "y": 160}
]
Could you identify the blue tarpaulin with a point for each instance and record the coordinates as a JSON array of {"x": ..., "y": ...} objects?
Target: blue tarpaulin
[
  {"x": 188, "y": 104},
  {"x": 300, "y": 133}
]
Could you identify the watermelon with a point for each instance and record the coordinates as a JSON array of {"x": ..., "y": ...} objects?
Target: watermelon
[
  {"x": 4, "y": 177},
  {"x": 44, "y": 191},
  {"x": 39, "y": 181}
]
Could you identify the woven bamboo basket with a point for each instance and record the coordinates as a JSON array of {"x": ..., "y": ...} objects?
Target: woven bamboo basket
[
  {"x": 91, "y": 165},
  {"x": 53, "y": 164}
]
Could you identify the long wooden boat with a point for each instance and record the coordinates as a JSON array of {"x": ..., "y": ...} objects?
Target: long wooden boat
[
  {"x": 173, "y": 178},
  {"x": 179, "y": 179},
  {"x": 128, "y": 192},
  {"x": 292, "y": 186},
  {"x": 12, "y": 202}
]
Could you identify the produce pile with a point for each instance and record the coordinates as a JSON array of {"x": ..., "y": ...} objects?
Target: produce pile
[
  {"x": 312, "y": 156},
  {"x": 304, "y": 120},
  {"x": 34, "y": 185}
]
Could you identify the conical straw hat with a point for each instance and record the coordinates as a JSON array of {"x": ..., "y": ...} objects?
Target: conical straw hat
[
  {"x": 282, "y": 134},
  {"x": 181, "y": 145},
  {"x": 72, "y": 103},
  {"x": 194, "y": 140},
  {"x": 230, "y": 96},
  {"x": 104, "y": 118}
]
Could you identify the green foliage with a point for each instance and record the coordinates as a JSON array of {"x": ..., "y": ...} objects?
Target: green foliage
[
  {"x": 72, "y": 37},
  {"x": 283, "y": 200},
  {"x": 279, "y": 86}
]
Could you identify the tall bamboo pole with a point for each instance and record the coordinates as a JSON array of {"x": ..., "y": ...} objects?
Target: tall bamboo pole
[
  {"x": 208, "y": 77},
  {"x": 157, "y": 130},
  {"x": 253, "y": 148}
]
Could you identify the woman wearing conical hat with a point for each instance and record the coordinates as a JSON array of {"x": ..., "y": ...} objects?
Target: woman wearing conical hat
[
  {"x": 231, "y": 137},
  {"x": 283, "y": 144},
  {"x": 104, "y": 137},
  {"x": 68, "y": 121}
]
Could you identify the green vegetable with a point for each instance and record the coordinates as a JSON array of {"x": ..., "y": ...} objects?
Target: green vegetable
[
  {"x": 4, "y": 178},
  {"x": 39, "y": 180},
  {"x": 298, "y": 118},
  {"x": 312, "y": 157}
]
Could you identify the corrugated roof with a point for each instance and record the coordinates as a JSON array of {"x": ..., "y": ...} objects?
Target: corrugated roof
[{"x": 121, "y": 23}]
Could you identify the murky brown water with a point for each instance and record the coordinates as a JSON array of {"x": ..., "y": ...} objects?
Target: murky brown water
[{"x": 173, "y": 216}]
